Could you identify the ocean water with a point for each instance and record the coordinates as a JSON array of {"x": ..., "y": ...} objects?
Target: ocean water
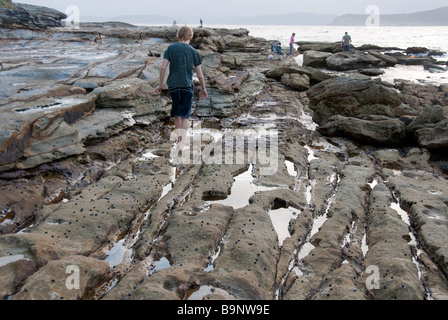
[{"x": 433, "y": 38}]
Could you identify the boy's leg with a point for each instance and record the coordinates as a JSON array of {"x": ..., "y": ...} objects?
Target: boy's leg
[{"x": 182, "y": 124}]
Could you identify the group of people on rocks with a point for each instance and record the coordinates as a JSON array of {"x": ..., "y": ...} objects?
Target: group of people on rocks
[{"x": 276, "y": 46}]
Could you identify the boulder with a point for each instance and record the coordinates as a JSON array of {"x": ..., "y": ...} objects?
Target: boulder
[
  {"x": 296, "y": 81},
  {"x": 133, "y": 94},
  {"x": 387, "y": 59},
  {"x": 41, "y": 131},
  {"x": 315, "y": 75},
  {"x": 432, "y": 67},
  {"x": 26, "y": 16},
  {"x": 351, "y": 97},
  {"x": 405, "y": 110},
  {"x": 315, "y": 59},
  {"x": 231, "y": 83},
  {"x": 121, "y": 66},
  {"x": 412, "y": 60},
  {"x": 232, "y": 61},
  {"x": 420, "y": 95},
  {"x": 432, "y": 114},
  {"x": 331, "y": 47},
  {"x": 372, "y": 72},
  {"x": 375, "y": 130},
  {"x": 417, "y": 50},
  {"x": 368, "y": 47},
  {"x": 433, "y": 136},
  {"x": 51, "y": 139},
  {"x": 53, "y": 281},
  {"x": 244, "y": 44},
  {"x": 344, "y": 61}
]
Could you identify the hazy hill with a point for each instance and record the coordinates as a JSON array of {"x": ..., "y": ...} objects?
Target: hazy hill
[
  {"x": 308, "y": 19},
  {"x": 288, "y": 19},
  {"x": 437, "y": 17}
]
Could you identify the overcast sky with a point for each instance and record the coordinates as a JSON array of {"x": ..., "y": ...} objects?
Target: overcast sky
[{"x": 218, "y": 8}]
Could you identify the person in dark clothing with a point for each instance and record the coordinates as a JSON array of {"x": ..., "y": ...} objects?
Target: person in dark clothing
[
  {"x": 346, "y": 41},
  {"x": 182, "y": 59},
  {"x": 276, "y": 47}
]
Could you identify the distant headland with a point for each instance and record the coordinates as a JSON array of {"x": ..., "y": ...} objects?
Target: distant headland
[{"x": 437, "y": 17}]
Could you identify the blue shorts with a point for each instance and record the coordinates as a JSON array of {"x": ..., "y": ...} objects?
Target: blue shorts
[{"x": 182, "y": 102}]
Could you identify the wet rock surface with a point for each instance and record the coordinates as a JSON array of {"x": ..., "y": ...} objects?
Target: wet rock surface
[
  {"x": 26, "y": 16},
  {"x": 96, "y": 204}
]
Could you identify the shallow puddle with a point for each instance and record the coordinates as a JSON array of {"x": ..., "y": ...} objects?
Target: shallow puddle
[
  {"x": 122, "y": 250},
  {"x": 200, "y": 292},
  {"x": 118, "y": 254},
  {"x": 412, "y": 243},
  {"x": 291, "y": 168},
  {"x": 169, "y": 186},
  {"x": 435, "y": 192},
  {"x": 148, "y": 155},
  {"x": 8, "y": 217},
  {"x": 403, "y": 214},
  {"x": 309, "y": 192},
  {"x": 318, "y": 223},
  {"x": 307, "y": 121},
  {"x": 311, "y": 156},
  {"x": 373, "y": 184},
  {"x": 211, "y": 265},
  {"x": 242, "y": 190},
  {"x": 281, "y": 219},
  {"x": 162, "y": 264},
  {"x": 364, "y": 245},
  {"x": 10, "y": 259},
  {"x": 304, "y": 119},
  {"x": 348, "y": 237}
]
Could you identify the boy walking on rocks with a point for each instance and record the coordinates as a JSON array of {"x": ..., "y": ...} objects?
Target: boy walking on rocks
[{"x": 182, "y": 59}]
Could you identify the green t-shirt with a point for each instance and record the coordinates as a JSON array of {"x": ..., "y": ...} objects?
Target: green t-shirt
[{"x": 182, "y": 58}]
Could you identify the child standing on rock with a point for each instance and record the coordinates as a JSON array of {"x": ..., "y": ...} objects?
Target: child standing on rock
[
  {"x": 291, "y": 44},
  {"x": 182, "y": 59}
]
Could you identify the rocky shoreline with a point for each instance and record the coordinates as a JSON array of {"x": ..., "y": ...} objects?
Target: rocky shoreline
[{"x": 92, "y": 205}]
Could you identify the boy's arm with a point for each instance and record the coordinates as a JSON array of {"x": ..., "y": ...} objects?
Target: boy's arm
[
  {"x": 165, "y": 64},
  {"x": 202, "y": 82}
]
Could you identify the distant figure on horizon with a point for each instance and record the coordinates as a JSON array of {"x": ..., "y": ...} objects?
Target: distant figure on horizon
[
  {"x": 202, "y": 22},
  {"x": 291, "y": 44},
  {"x": 346, "y": 41},
  {"x": 174, "y": 23}
]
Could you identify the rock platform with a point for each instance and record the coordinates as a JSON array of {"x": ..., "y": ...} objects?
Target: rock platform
[{"x": 95, "y": 203}]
